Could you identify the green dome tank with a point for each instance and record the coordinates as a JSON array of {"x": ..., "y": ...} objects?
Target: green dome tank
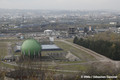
[{"x": 31, "y": 47}]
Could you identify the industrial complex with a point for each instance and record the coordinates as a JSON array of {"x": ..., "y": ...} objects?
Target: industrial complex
[{"x": 58, "y": 45}]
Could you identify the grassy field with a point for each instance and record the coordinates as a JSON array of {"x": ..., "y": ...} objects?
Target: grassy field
[
  {"x": 7, "y": 65},
  {"x": 3, "y": 53},
  {"x": 70, "y": 67},
  {"x": 77, "y": 52},
  {"x": 69, "y": 40},
  {"x": 3, "y": 49}
]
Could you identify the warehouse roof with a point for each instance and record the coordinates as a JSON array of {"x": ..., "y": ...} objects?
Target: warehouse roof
[{"x": 50, "y": 47}]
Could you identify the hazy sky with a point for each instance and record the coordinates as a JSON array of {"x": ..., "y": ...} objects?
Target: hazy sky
[{"x": 61, "y": 4}]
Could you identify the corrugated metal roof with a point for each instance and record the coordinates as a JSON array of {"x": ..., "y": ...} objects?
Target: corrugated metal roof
[{"x": 45, "y": 47}]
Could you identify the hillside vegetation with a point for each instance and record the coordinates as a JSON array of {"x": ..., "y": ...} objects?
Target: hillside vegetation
[{"x": 104, "y": 43}]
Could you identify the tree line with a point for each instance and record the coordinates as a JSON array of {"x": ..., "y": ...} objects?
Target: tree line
[{"x": 106, "y": 48}]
